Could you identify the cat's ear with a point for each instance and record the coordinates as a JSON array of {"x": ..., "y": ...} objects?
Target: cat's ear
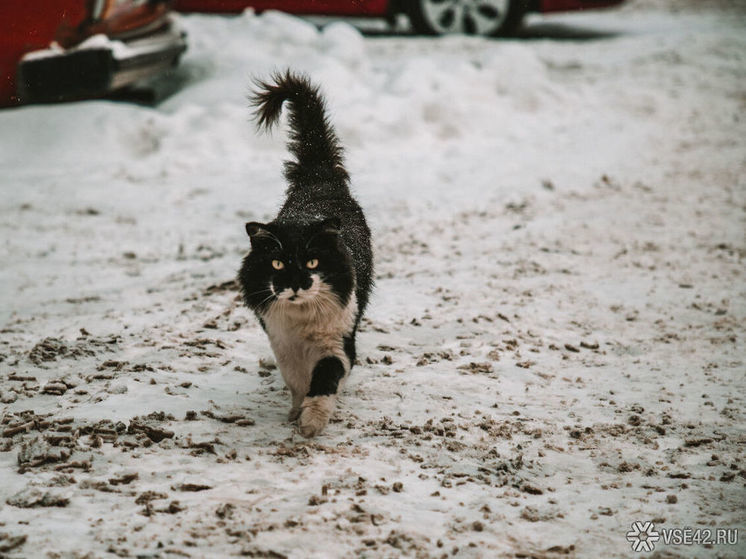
[
  {"x": 255, "y": 229},
  {"x": 259, "y": 232}
]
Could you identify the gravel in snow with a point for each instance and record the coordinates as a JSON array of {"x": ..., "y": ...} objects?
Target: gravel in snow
[{"x": 555, "y": 348}]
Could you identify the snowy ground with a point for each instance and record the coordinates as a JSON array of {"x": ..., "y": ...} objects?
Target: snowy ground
[{"x": 555, "y": 348}]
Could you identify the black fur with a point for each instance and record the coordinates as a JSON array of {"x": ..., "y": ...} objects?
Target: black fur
[
  {"x": 326, "y": 376},
  {"x": 294, "y": 244},
  {"x": 320, "y": 230},
  {"x": 312, "y": 139},
  {"x": 320, "y": 218},
  {"x": 349, "y": 347}
]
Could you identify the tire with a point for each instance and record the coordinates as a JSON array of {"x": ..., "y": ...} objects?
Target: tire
[{"x": 489, "y": 18}]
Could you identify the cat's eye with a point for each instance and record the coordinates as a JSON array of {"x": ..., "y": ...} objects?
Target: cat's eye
[
  {"x": 311, "y": 264},
  {"x": 278, "y": 264}
]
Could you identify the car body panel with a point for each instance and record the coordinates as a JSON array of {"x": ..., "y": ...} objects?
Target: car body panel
[
  {"x": 358, "y": 8},
  {"x": 374, "y": 8}
]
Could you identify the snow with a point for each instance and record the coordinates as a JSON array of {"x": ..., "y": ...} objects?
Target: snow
[
  {"x": 530, "y": 199},
  {"x": 100, "y": 41}
]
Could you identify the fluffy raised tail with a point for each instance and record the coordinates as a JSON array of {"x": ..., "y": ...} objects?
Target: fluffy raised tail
[{"x": 313, "y": 142}]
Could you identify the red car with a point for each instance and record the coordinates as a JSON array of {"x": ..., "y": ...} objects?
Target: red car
[
  {"x": 431, "y": 17},
  {"x": 56, "y": 50}
]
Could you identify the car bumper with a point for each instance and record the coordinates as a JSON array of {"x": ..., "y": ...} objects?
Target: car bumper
[{"x": 96, "y": 67}]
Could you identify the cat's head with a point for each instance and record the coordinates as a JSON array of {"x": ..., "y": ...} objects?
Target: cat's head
[{"x": 295, "y": 264}]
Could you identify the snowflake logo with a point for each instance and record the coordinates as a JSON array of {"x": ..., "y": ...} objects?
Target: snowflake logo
[{"x": 643, "y": 536}]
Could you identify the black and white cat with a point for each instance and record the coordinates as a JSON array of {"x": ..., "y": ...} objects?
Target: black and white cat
[{"x": 309, "y": 273}]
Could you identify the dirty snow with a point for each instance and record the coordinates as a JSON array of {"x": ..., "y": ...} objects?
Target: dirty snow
[{"x": 555, "y": 348}]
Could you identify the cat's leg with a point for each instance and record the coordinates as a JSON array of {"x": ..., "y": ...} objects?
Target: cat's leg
[
  {"x": 295, "y": 409},
  {"x": 295, "y": 374},
  {"x": 348, "y": 343},
  {"x": 319, "y": 403}
]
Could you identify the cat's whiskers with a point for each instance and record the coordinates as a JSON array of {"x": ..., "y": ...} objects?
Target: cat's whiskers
[
  {"x": 260, "y": 291},
  {"x": 266, "y": 299}
]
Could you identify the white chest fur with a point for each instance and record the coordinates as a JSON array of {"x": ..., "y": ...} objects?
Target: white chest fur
[{"x": 302, "y": 333}]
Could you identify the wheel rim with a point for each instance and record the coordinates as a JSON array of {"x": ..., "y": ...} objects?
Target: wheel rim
[{"x": 473, "y": 17}]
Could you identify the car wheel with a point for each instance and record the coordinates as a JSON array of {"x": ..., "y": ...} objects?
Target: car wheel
[{"x": 471, "y": 17}]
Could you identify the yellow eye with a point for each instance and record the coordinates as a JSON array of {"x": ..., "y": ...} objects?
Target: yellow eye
[
  {"x": 278, "y": 264},
  {"x": 311, "y": 264}
]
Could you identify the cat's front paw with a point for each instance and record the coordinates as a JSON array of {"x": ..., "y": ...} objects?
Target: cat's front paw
[{"x": 315, "y": 414}]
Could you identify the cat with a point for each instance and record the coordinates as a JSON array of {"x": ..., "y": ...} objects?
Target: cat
[{"x": 309, "y": 273}]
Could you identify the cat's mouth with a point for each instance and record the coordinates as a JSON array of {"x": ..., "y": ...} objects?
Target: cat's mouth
[
  {"x": 297, "y": 297},
  {"x": 300, "y": 296}
]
